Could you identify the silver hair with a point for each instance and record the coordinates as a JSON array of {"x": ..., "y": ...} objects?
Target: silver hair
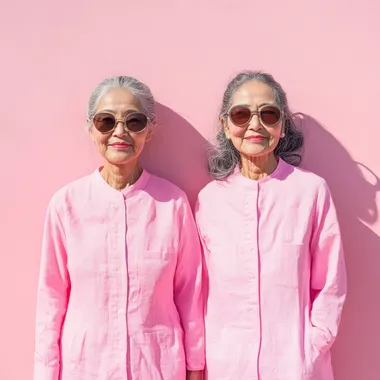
[
  {"x": 225, "y": 157},
  {"x": 140, "y": 90}
]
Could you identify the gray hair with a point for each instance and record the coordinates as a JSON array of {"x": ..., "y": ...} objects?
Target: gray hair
[
  {"x": 140, "y": 90},
  {"x": 225, "y": 157}
]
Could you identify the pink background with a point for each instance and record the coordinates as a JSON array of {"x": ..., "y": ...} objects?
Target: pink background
[{"x": 325, "y": 53}]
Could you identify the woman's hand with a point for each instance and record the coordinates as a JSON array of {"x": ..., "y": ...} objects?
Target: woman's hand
[{"x": 194, "y": 375}]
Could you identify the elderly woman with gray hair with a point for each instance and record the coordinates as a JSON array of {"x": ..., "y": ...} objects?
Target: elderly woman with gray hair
[
  {"x": 119, "y": 293},
  {"x": 274, "y": 265}
]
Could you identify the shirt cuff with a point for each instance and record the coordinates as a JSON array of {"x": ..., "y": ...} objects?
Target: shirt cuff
[{"x": 42, "y": 372}]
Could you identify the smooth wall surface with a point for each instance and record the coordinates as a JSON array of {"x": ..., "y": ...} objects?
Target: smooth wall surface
[{"x": 325, "y": 53}]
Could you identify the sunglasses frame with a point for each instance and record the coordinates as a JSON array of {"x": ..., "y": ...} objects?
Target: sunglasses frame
[
  {"x": 123, "y": 120},
  {"x": 255, "y": 112}
]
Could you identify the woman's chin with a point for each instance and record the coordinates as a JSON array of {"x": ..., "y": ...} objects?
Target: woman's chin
[
  {"x": 120, "y": 158},
  {"x": 255, "y": 151}
]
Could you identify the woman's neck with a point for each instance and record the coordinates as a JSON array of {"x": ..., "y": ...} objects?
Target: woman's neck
[
  {"x": 258, "y": 167},
  {"x": 121, "y": 176}
]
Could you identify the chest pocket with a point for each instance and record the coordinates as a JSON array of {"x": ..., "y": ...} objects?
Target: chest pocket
[
  {"x": 292, "y": 254},
  {"x": 155, "y": 271},
  {"x": 163, "y": 254},
  {"x": 160, "y": 245},
  {"x": 289, "y": 265}
]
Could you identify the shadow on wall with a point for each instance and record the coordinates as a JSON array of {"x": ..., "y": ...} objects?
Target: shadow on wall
[
  {"x": 354, "y": 188},
  {"x": 177, "y": 152}
]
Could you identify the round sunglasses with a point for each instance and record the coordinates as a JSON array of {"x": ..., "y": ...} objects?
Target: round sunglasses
[
  {"x": 269, "y": 115},
  {"x": 134, "y": 122}
]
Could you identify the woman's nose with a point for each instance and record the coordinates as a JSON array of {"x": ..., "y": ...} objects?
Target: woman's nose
[
  {"x": 120, "y": 128},
  {"x": 255, "y": 124}
]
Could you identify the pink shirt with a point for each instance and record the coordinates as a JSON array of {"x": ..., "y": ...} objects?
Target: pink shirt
[
  {"x": 119, "y": 294},
  {"x": 276, "y": 276}
]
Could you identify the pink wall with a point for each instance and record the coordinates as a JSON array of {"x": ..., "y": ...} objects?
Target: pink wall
[{"x": 325, "y": 53}]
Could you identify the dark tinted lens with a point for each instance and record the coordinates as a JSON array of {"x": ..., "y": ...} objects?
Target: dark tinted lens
[
  {"x": 240, "y": 115},
  {"x": 104, "y": 122},
  {"x": 270, "y": 115},
  {"x": 136, "y": 122}
]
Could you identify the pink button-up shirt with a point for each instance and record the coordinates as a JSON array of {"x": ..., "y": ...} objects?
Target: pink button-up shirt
[
  {"x": 119, "y": 294},
  {"x": 276, "y": 276}
]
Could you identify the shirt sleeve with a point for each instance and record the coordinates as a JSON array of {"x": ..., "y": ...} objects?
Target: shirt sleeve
[
  {"x": 188, "y": 290},
  {"x": 328, "y": 272},
  {"x": 52, "y": 296},
  {"x": 205, "y": 251}
]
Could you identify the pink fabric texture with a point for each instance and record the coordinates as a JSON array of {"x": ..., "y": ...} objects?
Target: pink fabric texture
[
  {"x": 275, "y": 275},
  {"x": 119, "y": 293}
]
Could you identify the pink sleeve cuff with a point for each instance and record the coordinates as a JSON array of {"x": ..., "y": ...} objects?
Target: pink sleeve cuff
[{"x": 42, "y": 372}]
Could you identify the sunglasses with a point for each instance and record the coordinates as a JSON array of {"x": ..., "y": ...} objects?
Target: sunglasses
[
  {"x": 134, "y": 122},
  {"x": 268, "y": 115}
]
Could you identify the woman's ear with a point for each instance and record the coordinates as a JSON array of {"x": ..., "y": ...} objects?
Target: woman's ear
[
  {"x": 149, "y": 134},
  {"x": 282, "y": 135},
  {"x": 223, "y": 122},
  {"x": 89, "y": 130}
]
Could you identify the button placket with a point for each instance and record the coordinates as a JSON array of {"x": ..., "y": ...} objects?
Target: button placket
[{"x": 119, "y": 285}]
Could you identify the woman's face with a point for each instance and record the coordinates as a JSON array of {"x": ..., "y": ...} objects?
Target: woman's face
[
  {"x": 254, "y": 138},
  {"x": 120, "y": 146}
]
